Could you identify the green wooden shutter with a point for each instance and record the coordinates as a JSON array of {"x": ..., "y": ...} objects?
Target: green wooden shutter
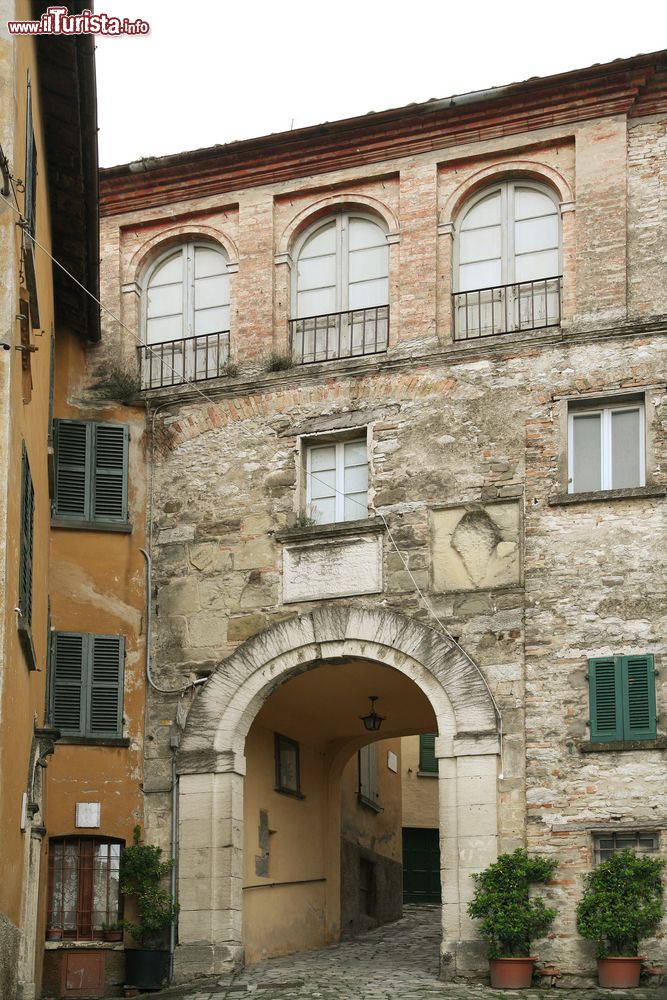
[
  {"x": 427, "y": 759},
  {"x": 105, "y": 715},
  {"x": 606, "y": 699},
  {"x": 68, "y": 682},
  {"x": 72, "y": 450},
  {"x": 110, "y": 472},
  {"x": 30, "y": 181},
  {"x": 27, "y": 529},
  {"x": 638, "y": 697}
]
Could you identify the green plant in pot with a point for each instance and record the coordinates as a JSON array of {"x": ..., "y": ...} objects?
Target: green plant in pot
[
  {"x": 142, "y": 873},
  {"x": 622, "y": 904},
  {"x": 510, "y": 919}
]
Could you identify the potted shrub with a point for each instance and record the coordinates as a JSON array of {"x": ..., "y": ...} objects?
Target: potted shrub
[
  {"x": 622, "y": 904},
  {"x": 142, "y": 872},
  {"x": 510, "y": 919},
  {"x": 113, "y": 931}
]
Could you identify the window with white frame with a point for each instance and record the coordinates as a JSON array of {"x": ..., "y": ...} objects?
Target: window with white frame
[
  {"x": 507, "y": 260},
  {"x": 341, "y": 288},
  {"x": 606, "y": 447},
  {"x": 337, "y": 481},
  {"x": 186, "y": 315}
]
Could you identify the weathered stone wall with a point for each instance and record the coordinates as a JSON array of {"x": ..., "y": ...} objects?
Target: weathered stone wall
[{"x": 467, "y": 453}]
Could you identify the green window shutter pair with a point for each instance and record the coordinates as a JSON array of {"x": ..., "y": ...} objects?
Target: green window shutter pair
[
  {"x": 428, "y": 762},
  {"x": 87, "y": 684},
  {"x": 26, "y": 544},
  {"x": 91, "y": 471},
  {"x": 622, "y": 698}
]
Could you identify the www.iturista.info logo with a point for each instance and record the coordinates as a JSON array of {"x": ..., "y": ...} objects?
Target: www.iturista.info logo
[{"x": 58, "y": 21}]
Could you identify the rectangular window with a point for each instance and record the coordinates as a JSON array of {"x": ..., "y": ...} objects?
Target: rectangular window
[
  {"x": 369, "y": 792},
  {"x": 337, "y": 481},
  {"x": 29, "y": 207},
  {"x": 87, "y": 684},
  {"x": 622, "y": 698},
  {"x": 606, "y": 448},
  {"x": 428, "y": 763},
  {"x": 607, "y": 844},
  {"x": 288, "y": 776},
  {"x": 83, "y": 886},
  {"x": 26, "y": 550},
  {"x": 91, "y": 472}
]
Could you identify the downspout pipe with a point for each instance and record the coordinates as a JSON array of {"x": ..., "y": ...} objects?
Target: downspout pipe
[{"x": 174, "y": 742}]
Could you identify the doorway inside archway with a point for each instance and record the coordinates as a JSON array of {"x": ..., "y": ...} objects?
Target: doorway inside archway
[{"x": 323, "y": 806}]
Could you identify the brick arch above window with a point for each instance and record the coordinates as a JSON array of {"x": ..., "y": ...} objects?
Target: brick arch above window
[
  {"x": 496, "y": 173},
  {"x": 157, "y": 245},
  {"x": 332, "y": 204}
]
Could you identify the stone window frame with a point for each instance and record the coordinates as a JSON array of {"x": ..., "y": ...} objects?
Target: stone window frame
[
  {"x": 606, "y": 398},
  {"x": 306, "y": 441}
]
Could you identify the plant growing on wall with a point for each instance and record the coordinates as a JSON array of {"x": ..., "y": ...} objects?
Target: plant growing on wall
[
  {"x": 509, "y": 918},
  {"x": 118, "y": 382},
  {"x": 622, "y": 903},
  {"x": 141, "y": 873}
]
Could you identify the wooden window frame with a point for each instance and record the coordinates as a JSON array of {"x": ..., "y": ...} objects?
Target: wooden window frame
[
  {"x": 338, "y": 443},
  {"x": 369, "y": 791},
  {"x": 86, "y": 687},
  {"x": 85, "y": 930},
  {"x": 606, "y": 410},
  {"x": 507, "y": 222},
  {"x": 88, "y": 519},
  {"x": 341, "y": 220},
  {"x": 286, "y": 743},
  {"x": 620, "y": 667}
]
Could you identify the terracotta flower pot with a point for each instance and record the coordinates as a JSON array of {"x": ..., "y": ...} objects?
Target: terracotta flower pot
[
  {"x": 619, "y": 973},
  {"x": 54, "y": 934},
  {"x": 511, "y": 973}
]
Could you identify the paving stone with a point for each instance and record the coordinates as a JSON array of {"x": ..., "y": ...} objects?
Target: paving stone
[{"x": 398, "y": 961}]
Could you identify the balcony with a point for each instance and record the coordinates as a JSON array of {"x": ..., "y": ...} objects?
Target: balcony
[
  {"x": 349, "y": 334},
  {"x": 189, "y": 359},
  {"x": 490, "y": 312}
]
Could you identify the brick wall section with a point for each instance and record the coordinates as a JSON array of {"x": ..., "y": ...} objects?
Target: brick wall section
[{"x": 647, "y": 216}]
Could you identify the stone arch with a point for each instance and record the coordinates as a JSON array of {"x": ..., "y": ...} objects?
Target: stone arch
[{"x": 211, "y": 767}]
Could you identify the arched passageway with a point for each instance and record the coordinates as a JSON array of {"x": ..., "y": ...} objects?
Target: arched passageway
[{"x": 212, "y": 766}]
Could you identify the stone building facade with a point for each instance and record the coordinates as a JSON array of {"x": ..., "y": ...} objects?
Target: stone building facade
[{"x": 415, "y": 451}]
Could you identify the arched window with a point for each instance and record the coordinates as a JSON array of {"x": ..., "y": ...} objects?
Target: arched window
[
  {"x": 341, "y": 289},
  {"x": 186, "y": 315},
  {"x": 507, "y": 261}
]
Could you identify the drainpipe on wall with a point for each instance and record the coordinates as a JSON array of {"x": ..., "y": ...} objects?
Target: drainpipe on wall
[{"x": 174, "y": 741}]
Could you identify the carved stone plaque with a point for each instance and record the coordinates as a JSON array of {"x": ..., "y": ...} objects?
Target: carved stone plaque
[
  {"x": 332, "y": 568},
  {"x": 476, "y": 546}
]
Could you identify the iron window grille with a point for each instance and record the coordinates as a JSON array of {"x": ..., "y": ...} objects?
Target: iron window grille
[
  {"x": 605, "y": 845},
  {"x": 84, "y": 885}
]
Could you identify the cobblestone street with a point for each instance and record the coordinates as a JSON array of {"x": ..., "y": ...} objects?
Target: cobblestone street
[{"x": 398, "y": 961}]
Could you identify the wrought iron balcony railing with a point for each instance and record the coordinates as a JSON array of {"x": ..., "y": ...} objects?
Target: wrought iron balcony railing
[
  {"x": 524, "y": 305},
  {"x": 347, "y": 334},
  {"x": 190, "y": 359}
]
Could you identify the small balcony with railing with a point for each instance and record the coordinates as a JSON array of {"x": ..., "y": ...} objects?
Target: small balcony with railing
[
  {"x": 333, "y": 336},
  {"x": 514, "y": 308},
  {"x": 188, "y": 359}
]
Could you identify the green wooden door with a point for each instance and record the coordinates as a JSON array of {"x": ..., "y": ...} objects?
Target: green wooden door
[{"x": 421, "y": 865}]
